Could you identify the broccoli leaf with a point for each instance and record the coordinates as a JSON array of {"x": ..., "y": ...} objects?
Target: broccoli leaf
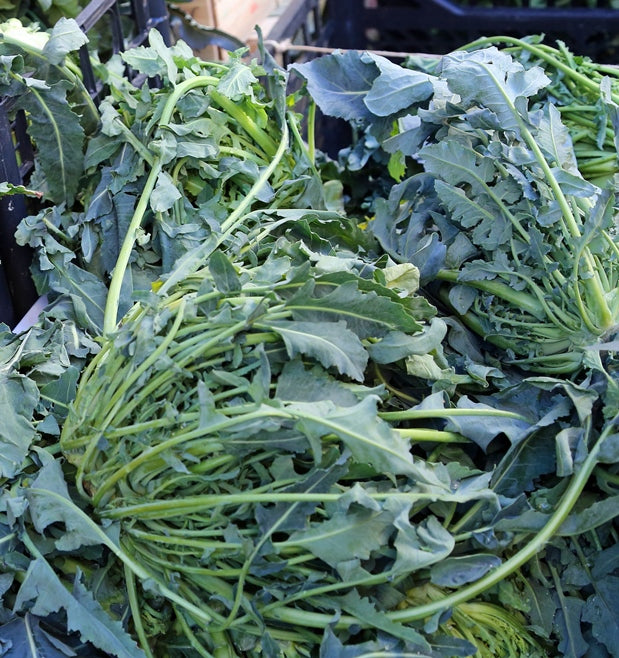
[{"x": 59, "y": 138}]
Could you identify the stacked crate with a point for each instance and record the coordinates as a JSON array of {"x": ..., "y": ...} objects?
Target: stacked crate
[{"x": 588, "y": 27}]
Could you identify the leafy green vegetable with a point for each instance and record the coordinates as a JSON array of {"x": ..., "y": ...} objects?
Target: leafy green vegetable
[
  {"x": 585, "y": 94},
  {"x": 171, "y": 166},
  {"x": 525, "y": 246},
  {"x": 27, "y": 636},
  {"x": 239, "y": 428},
  {"x": 216, "y": 345},
  {"x": 52, "y": 98},
  {"x": 47, "y": 12}
]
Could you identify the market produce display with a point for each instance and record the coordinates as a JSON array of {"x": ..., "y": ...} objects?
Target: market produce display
[{"x": 284, "y": 404}]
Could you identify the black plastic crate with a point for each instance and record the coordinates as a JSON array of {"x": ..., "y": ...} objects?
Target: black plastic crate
[
  {"x": 299, "y": 26},
  {"x": 123, "y": 24},
  {"x": 588, "y": 27}
]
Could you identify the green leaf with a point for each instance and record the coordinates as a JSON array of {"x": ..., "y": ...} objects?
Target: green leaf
[
  {"x": 42, "y": 593},
  {"x": 600, "y": 610},
  {"x": 155, "y": 39},
  {"x": 224, "y": 274},
  {"x": 457, "y": 571},
  {"x": 340, "y": 83},
  {"x": 49, "y": 503},
  {"x": 421, "y": 544},
  {"x": 370, "y": 440},
  {"x": 540, "y": 607},
  {"x": 332, "y": 646},
  {"x": 61, "y": 391},
  {"x": 523, "y": 464},
  {"x": 365, "y": 313},
  {"x": 100, "y": 148},
  {"x": 18, "y": 399},
  {"x": 165, "y": 194},
  {"x": 144, "y": 59},
  {"x": 23, "y": 637},
  {"x": 86, "y": 291},
  {"x": 364, "y": 610},
  {"x": 237, "y": 82},
  {"x": 299, "y": 384},
  {"x": 585, "y": 520},
  {"x": 495, "y": 80},
  {"x": 398, "y": 345},
  {"x": 332, "y": 344},
  {"x": 490, "y": 227},
  {"x": 345, "y": 536},
  {"x": 58, "y": 136},
  {"x": 401, "y": 222},
  {"x": 396, "y": 88},
  {"x": 555, "y": 140},
  {"x": 478, "y": 194},
  {"x": 286, "y": 516},
  {"x": 568, "y": 627},
  {"x": 7, "y": 189},
  {"x": 65, "y": 37},
  {"x": 482, "y": 428}
]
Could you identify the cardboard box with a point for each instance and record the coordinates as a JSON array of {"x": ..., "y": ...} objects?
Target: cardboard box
[
  {"x": 237, "y": 18},
  {"x": 240, "y": 18}
]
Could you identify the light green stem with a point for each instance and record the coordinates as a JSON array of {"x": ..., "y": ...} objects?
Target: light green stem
[
  {"x": 565, "y": 506},
  {"x": 404, "y": 616},
  {"x": 110, "y": 316},
  {"x": 94, "y": 530}
]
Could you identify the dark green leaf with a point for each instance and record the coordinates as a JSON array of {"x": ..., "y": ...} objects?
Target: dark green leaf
[
  {"x": 585, "y": 520},
  {"x": 457, "y": 571},
  {"x": 45, "y": 591},
  {"x": 600, "y": 610},
  {"x": 396, "y": 88},
  {"x": 340, "y": 83},
  {"x": 58, "y": 135},
  {"x": 23, "y": 637},
  {"x": 567, "y": 624},
  {"x": 364, "y": 610},
  {"x": 223, "y": 272}
]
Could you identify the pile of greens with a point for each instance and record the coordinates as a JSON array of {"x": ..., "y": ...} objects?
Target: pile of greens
[
  {"x": 489, "y": 198},
  {"x": 245, "y": 425}
]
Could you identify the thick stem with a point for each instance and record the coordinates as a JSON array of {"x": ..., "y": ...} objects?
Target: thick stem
[
  {"x": 565, "y": 506},
  {"x": 570, "y": 498}
]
